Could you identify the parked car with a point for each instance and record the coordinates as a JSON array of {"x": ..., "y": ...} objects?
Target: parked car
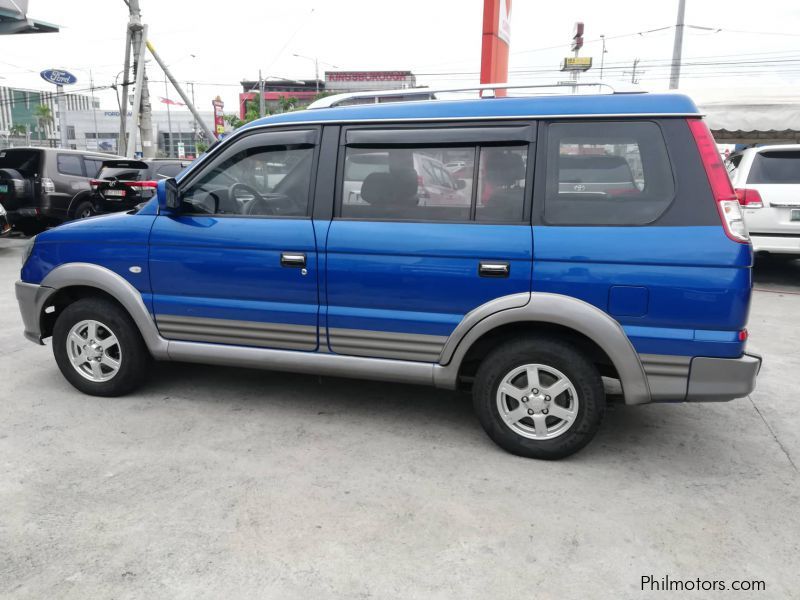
[
  {"x": 529, "y": 296},
  {"x": 121, "y": 184},
  {"x": 767, "y": 183},
  {"x": 5, "y": 227},
  {"x": 41, "y": 187}
]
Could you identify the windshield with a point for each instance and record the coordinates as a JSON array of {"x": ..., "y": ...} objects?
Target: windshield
[
  {"x": 776, "y": 167},
  {"x": 24, "y": 161}
]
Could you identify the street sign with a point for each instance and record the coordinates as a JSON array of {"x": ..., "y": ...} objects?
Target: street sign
[
  {"x": 577, "y": 63},
  {"x": 181, "y": 150},
  {"x": 58, "y": 76}
]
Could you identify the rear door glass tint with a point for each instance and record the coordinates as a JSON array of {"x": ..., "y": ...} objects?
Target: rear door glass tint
[
  {"x": 778, "y": 166},
  {"x": 607, "y": 173}
]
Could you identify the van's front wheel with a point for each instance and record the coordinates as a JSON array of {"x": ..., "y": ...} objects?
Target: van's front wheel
[
  {"x": 99, "y": 349},
  {"x": 539, "y": 398}
]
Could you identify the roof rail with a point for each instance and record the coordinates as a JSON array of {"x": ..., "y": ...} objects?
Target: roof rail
[{"x": 425, "y": 93}]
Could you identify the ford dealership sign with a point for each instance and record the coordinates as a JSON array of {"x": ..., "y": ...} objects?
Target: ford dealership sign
[{"x": 58, "y": 76}]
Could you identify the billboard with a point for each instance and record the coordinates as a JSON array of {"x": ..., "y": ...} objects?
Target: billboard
[{"x": 219, "y": 117}]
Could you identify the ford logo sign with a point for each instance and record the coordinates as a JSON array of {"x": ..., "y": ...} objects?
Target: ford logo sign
[{"x": 58, "y": 76}]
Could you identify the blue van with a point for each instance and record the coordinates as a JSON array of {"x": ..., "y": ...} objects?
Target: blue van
[{"x": 548, "y": 254}]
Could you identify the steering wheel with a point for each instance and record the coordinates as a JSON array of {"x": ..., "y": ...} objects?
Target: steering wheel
[{"x": 235, "y": 187}]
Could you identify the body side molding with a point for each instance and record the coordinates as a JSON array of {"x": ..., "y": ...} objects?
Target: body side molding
[
  {"x": 95, "y": 276},
  {"x": 559, "y": 310}
]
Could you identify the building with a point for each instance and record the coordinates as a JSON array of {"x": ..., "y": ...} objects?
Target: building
[
  {"x": 18, "y": 111},
  {"x": 304, "y": 92}
]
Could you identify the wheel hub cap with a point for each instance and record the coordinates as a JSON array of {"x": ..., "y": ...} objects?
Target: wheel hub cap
[
  {"x": 94, "y": 351},
  {"x": 537, "y": 401}
]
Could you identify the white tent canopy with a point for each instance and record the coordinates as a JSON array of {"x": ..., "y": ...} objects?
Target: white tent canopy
[{"x": 751, "y": 116}]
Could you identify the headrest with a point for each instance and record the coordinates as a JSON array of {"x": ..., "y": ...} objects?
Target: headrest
[
  {"x": 504, "y": 168},
  {"x": 377, "y": 189}
]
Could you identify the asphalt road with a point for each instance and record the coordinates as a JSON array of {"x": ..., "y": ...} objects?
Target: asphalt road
[{"x": 226, "y": 483}]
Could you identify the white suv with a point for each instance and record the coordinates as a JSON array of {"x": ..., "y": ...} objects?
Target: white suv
[{"x": 767, "y": 183}]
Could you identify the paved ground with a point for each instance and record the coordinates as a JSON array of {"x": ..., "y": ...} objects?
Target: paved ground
[{"x": 225, "y": 483}]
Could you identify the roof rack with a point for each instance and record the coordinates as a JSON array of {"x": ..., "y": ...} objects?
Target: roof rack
[{"x": 424, "y": 93}]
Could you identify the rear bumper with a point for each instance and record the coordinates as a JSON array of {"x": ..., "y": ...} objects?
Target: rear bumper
[
  {"x": 776, "y": 244},
  {"x": 700, "y": 378},
  {"x": 722, "y": 379}
]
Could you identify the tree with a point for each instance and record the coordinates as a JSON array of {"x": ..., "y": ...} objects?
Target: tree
[
  {"x": 44, "y": 116},
  {"x": 18, "y": 130},
  {"x": 287, "y": 103}
]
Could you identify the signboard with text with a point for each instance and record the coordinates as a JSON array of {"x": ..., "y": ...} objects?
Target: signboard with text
[
  {"x": 219, "y": 116},
  {"x": 577, "y": 63},
  {"x": 58, "y": 76}
]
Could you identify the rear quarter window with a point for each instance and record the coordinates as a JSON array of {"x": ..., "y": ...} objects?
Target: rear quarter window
[
  {"x": 779, "y": 166},
  {"x": 69, "y": 164},
  {"x": 607, "y": 173}
]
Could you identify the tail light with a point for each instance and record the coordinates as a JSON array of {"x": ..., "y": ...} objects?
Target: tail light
[
  {"x": 94, "y": 184},
  {"x": 145, "y": 188},
  {"x": 727, "y": 202},
  {"x": 749, "y": 198},
  {"x": 48, "y": 187}
]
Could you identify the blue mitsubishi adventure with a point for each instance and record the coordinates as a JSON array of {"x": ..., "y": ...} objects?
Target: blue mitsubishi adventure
[{"x": 531, "y": 250}]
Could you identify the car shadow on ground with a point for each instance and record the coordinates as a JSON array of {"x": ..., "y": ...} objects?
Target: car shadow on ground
[{"x": 775, "y": 272}]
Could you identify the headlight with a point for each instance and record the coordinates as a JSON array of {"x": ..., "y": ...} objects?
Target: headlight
[
  {"x": 26, "y": 252},
  {"x": 2, "y": 211}
]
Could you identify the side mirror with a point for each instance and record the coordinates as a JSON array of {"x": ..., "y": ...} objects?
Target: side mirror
[{"x": 169, "y": 198}]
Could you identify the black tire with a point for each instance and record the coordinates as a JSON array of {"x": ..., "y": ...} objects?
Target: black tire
[
  {"x": 553, "y": 353},
  {"x": 83, "y": 210},
  {"x": 134, "y": 360},
  {"x": 29, "y": 228}
]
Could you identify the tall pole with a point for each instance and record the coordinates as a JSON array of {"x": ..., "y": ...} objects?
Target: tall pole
[
  {"x": 316, "y": 73},
  {"x": 62, "y": 115},
  {"x": 123, "y": 108},
  {"x": 602, "y": 56},
  {"x": 633, "y": 73},
  {"x": 179, "y": 89},
  {"x": 94, "y": 111},
  {"x": 260, "y": 94},
  {"x": 169, "y": 121},
  {"x": 194, "y": 123},
  {"x": 677, "y": 48},
  {"x": 137, "y": 95}
]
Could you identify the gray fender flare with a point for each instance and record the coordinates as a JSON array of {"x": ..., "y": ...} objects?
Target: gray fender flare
[
  {"x": 547, "y": 308},
  {"x": 95, "y": 276}
]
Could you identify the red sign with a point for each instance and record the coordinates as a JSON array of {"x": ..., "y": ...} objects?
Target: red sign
[{"x": 219, "y": 121}]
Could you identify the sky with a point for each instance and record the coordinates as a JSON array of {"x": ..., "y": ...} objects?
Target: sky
[{"x": 740, "y": 46}]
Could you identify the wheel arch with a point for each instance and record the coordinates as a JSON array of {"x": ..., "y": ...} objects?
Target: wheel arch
[
  {"x": 586, "y": 326},
  {"x": 73, "y": 281},
  {"x": 76, "y": 200}
]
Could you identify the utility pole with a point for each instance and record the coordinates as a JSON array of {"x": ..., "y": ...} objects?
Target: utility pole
[
  {"x": 194, "y": 123},
  {"x": 94, "y": 111},
  {"x": 169, "y": 120},
  {"x": 602, "y": 55},
  {"x": 260, "y": 94},
  {"x": 634, "y": 72},
  {"x": 141, "y": 109},
  {"x": 178, "y": 88},
  {"x": 122, "y": 142},
  {"x": 677, "y": 48}
]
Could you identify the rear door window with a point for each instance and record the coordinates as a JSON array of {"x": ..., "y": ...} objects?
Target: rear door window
[
  {"x": 607, "y": 173},
  {"x": 777, "y": 166},
  {"x": 412, "y": 184},
  {"x": 122, "y": 173},
  {"x": 69, "y": 164}
]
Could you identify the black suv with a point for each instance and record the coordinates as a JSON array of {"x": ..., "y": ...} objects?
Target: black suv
[
  {"x": 40, "y": 187},
  {"x": 124, "y": 183}
]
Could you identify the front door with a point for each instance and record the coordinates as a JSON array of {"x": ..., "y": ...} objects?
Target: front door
[{"x": 238, "y": 264}]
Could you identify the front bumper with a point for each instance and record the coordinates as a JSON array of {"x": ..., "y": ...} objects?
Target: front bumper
[{"x": 31, "y": 299}]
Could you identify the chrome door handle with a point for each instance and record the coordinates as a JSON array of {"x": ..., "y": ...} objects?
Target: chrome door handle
[
  {"x": 494, "y": 269},
  {"x": 289, "y": 259}
]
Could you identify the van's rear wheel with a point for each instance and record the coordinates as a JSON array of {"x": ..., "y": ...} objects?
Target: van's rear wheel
[
  {"x": 99, "y": 349},
  {"x": 539, "y": 398}
]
